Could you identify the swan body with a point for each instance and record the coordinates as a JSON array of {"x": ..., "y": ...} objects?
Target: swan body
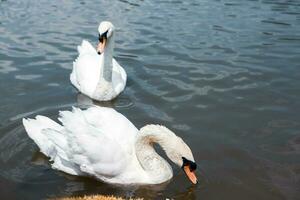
[
  {"x": 102, "y": 143},
  {"x": 98, "y": 76}
]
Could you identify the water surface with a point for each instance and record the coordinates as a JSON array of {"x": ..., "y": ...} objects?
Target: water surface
[{"x": 222, "y": 74}]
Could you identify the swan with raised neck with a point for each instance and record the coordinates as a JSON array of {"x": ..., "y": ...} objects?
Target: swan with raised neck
[
  {"x": 99, "y": 76},
  {"x": 105, "y": 48}
]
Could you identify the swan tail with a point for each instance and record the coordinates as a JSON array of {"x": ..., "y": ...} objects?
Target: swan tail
[
  {"x": 34, "y": 129},
  {"x": 49, "y": 137}
]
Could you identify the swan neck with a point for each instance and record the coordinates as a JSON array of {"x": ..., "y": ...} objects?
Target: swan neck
[
  {"x": 157, "y": 168},
  {"x": 107, "y": 60}
]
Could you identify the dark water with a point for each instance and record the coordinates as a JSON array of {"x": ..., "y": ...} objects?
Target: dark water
[{"x": 223, "y": 74}]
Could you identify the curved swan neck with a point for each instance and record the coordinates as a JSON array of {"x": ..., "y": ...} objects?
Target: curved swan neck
[
  {"x": 157, "y": 168},
  {"x": 107, "y": 57}
]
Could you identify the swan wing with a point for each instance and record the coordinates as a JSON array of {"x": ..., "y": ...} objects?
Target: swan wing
[
  {"x": 119, "y": 77},
  {"x": 113, "y": 124},
  {"x": 86, "y": 48},
  {"x": 86, "y": 69}
]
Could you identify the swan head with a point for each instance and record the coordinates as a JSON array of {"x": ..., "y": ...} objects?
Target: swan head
[
  {"x": 180, "y": 153},
  {"x": 105, "y": 30},
  {"x": 176, "y": 149}
]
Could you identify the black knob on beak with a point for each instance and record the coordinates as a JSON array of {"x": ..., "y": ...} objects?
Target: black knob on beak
[{"x": 103, "y": 35}]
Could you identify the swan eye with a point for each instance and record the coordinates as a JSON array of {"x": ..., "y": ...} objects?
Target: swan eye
[
  {"x": 192, "y": 165},
  {"x": 103, "y": 35}
]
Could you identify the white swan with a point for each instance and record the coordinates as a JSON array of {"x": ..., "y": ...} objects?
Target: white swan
[
  {"x": 102, "y": 143},
  {"x": 99, "y": 76}
]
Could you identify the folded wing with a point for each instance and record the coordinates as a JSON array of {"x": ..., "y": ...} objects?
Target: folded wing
[{"x": 78, "y": 147}]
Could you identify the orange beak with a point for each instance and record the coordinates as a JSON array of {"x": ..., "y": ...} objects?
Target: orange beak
[
  {"x": 101, "y": 46},
  {"x": 190, "y": 174}
]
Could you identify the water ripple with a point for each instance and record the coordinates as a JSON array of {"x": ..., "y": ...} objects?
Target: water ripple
[{"x": 216, "y": 72}]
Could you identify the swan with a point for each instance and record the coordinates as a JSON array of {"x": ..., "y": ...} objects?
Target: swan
[
  {"x": 95, "y": 72},
  {"x": 102, "y": 143}
]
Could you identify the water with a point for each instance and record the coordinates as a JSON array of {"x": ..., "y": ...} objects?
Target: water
[{"x": 222, "y": 74}]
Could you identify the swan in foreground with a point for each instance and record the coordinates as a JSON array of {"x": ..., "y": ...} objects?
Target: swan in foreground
[
  {"x": 102, "y": 143},
  {"x": 99, "y": 76}
]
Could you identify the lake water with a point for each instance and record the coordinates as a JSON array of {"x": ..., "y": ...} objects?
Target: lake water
[{"x": 223, "y": 74}]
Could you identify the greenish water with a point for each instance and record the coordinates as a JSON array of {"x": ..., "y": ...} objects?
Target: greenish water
[{"x": 224, "y": 75}]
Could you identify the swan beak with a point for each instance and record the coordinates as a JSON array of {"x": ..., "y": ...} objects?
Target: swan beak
[
  {"x": 189, "y": 168},
  {"x": 102, "y": 42},
  {"x": 101, "y": 45},
  {"x": 190, "y": 174}
]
